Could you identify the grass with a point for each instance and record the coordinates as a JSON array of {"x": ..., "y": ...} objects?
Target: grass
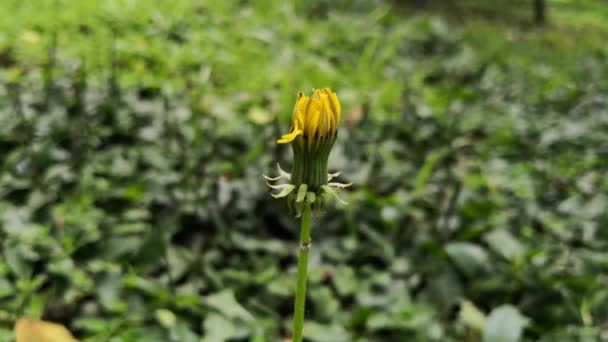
[
  {"x": 474, "y": 140},
  {"x": 570, "y": 24}
]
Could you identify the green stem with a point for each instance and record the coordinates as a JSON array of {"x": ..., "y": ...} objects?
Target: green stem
[{"x": 298, "y": 315}]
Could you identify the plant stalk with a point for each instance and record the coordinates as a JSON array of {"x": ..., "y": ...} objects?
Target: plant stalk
[{"x": 298, "y": 314}]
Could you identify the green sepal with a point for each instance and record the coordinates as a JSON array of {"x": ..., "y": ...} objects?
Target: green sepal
[
  {"x": 287, "y": 189},
  {"x": 277, "y": 186},
  {"x": 272, "y": 179},
  {"x": 339, "y": 186},
  {"x": 329, "y": 191},
  {"x": 311, "y": 197},
  {"x": 301, "y": 193},
  {"x": 282, "y": 173},
  {"x": 331, "y": 176}
]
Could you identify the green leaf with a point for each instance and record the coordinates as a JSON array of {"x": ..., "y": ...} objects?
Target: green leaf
[
  {"x": 226, "y": 303},
  {"x": 504, "y": 324},
  {"x": 471, "y": 316},
  {"x": 345, "y": 280},
  {"x": 20, "y": 267},
  {"x": 469, "y": 257},
  {"x": 166, "y": 318},
  {"x": 325, "y": 333},
  {"x": 427, "y": 168},
  {"x": 505, "y": 244},
  {"x": 218, "y": 328}
]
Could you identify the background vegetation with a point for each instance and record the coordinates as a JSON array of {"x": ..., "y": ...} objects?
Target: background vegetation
[{"x": 477, "y": 142}]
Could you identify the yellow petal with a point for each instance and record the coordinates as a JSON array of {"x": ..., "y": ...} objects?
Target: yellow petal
[
  {"x": 302, "y": 99},
  {"x": 326, "y": 116},
  {"x": 331, "y": 119},
  {"x": 336, "y": 106},
  {"x": 35, "y": 330},
  {"x": 299, "y": 122},
  {"x": 314, "y": 106},
  {"x": 313, "y": 127},
  {"x": 313, "y": 124},
  {"x": 315, "y": 117},
  {"x": 289, "y": 137},
  {"x": 297, "y": 119}
]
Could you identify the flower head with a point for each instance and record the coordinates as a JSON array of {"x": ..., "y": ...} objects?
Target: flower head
[
  {"x": 315, "y": 119},
  {"x": 314, "y": 128}
]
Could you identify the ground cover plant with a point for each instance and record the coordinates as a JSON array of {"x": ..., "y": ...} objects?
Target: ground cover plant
[{"x": 134, "y": 136}]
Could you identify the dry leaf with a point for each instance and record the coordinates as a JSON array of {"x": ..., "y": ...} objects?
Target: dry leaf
[
  {"x": 34, "y": 330},
  {"x": 354, "y": 116}
]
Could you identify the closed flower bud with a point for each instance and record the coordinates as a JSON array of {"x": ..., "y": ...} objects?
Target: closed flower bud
[{"x": 314, "y": 128}]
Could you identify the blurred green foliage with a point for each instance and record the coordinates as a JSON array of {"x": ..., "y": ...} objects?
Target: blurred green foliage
[{"x": 478, "y": 150}]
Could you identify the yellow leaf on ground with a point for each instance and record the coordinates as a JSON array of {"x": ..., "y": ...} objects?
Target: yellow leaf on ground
[{"x": 34, "y": 330}]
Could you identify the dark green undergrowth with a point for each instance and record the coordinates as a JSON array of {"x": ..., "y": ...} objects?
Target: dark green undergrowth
[{"x": 478, "y": 150}]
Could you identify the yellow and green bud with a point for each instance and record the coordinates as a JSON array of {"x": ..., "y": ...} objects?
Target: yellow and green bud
[{"x": 314, "y": 129}]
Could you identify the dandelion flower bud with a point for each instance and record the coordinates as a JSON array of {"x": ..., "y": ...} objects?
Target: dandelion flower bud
[{"x": 314, "y": 129}]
